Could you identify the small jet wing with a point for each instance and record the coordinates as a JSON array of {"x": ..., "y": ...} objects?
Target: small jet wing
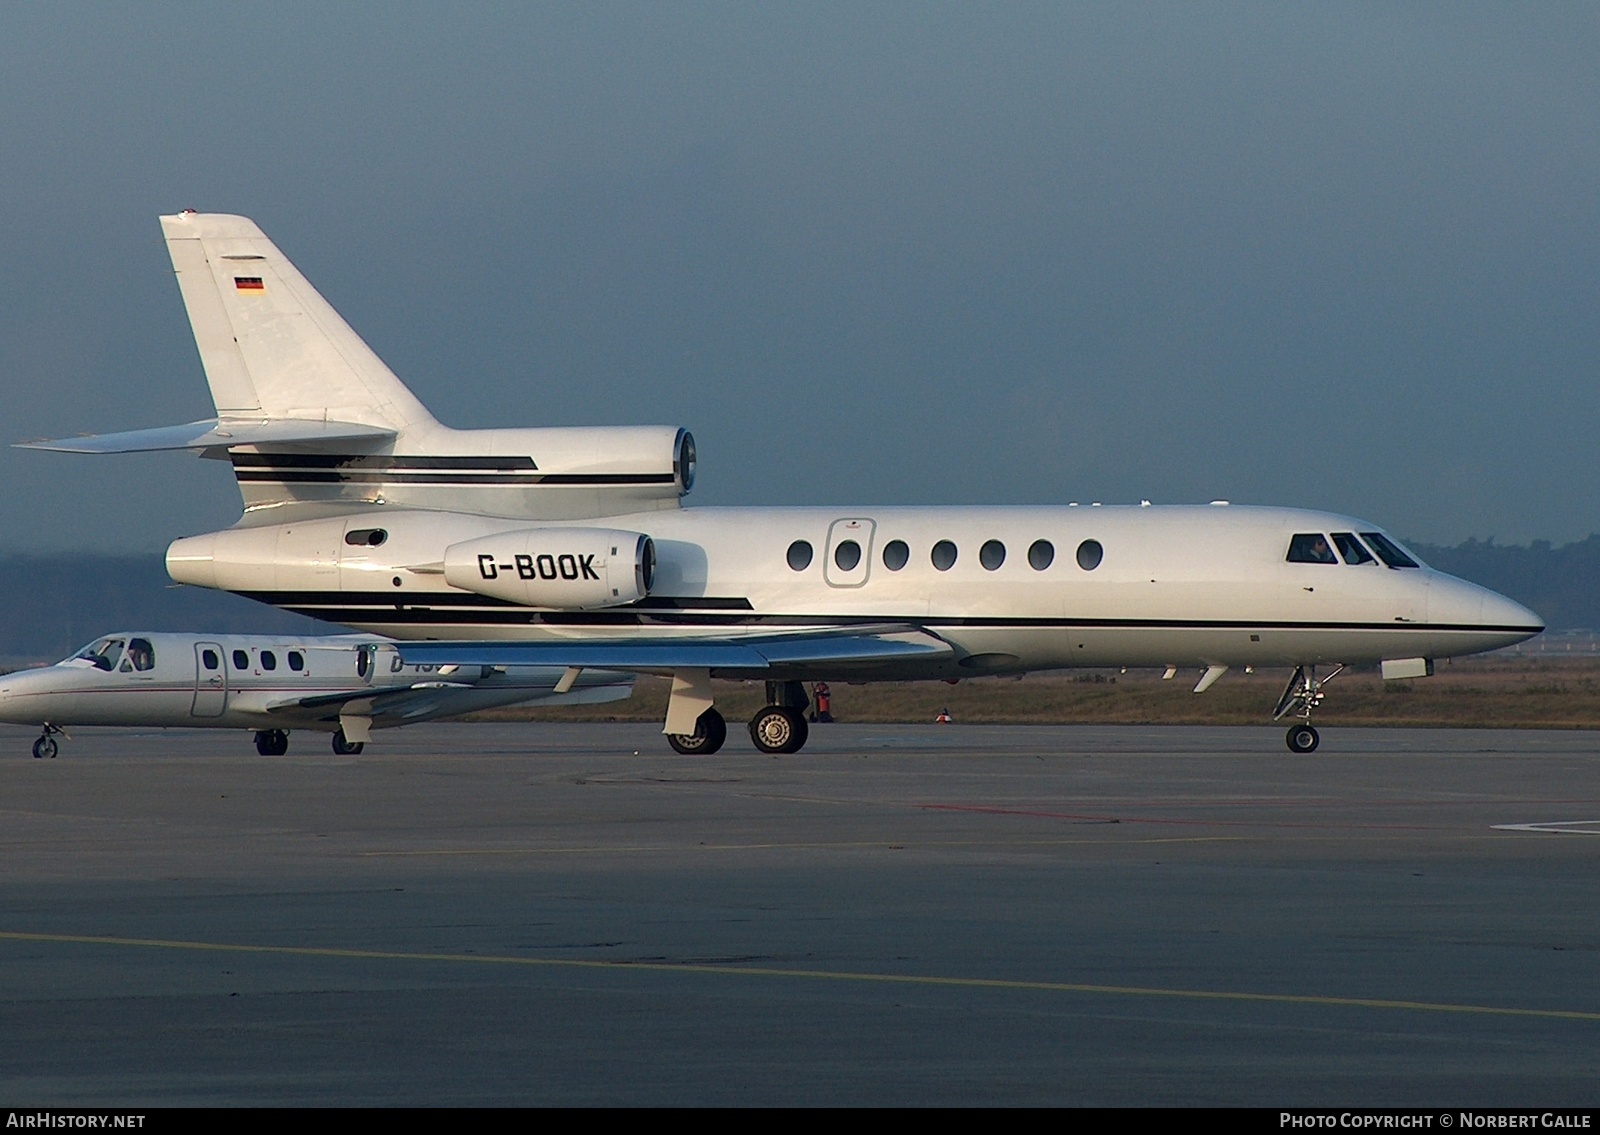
[
  {"x": 370, "y": 696},
  {"x": 213, "y": 433},
  {"x": 858, "y": 647}
]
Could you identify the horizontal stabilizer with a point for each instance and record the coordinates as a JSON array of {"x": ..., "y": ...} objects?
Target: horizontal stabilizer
[
  {"x": 214, "y": 434},
  {"x": 830, "y": 648}
]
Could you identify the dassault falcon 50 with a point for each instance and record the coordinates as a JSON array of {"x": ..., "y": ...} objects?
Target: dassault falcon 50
[
  {"x": 569, "y": 547},
  {"x": 346, "y": 685}
]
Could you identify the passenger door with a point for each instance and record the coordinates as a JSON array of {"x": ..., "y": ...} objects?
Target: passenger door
[{"x": 210, "y": 680}]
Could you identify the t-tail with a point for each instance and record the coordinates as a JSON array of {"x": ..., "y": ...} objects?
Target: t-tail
[{"x": 316, "y": 424}]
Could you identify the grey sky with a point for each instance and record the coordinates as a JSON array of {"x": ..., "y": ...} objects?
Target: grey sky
[{"x": 1343, "y": 256}]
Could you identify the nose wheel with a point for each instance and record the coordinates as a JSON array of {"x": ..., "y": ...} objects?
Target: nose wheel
[
  {"x": 1303, "y": 739},
  {"x": 45, "y": 748}
]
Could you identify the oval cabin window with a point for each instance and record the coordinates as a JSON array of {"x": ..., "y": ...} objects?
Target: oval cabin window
[
  {"x": 896, "y": 555},
  {"x": 847, "y": 555},
  {"x": 1090, "y": 553},
  {"x": 1041, "y": 555},
  {"x": 800, "y": 555},
  {"x": 944, "y": 555},
  {"x": 992, "y": 555}
]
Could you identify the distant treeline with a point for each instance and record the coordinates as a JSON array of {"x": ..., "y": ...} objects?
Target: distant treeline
[{"x": 51, "y": 604}]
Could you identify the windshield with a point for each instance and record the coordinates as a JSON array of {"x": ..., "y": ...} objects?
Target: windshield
[
  {"x": 102, "y": 654},
  {"x": 1388, "y": 551}
]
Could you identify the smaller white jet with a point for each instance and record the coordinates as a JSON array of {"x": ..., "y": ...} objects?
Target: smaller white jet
[{"x": 346, "y": 685}]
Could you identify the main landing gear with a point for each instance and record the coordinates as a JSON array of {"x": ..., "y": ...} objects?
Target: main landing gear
[
  {"x": 45, "y": 748},
  {"x": 344, "y": 746},
  {"x": 710, "y": 731},
  {"x": 1300, "y": 697},
  {"x": 778, "y": 727},
  {"x": 272, "y": 742}
]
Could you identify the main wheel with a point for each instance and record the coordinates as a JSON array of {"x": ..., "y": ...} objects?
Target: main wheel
[
  {"x": 44, "y": 748},
  {"x": 345, "y": 747},
  {"x": 1303, "y": 739},
  {"x": 272, "y": 742},
  {"x": 710, "y": 731},
  {"x": 778, "y": 729}
]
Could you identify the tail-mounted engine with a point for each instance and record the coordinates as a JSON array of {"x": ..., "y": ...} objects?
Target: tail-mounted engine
[{"x": 568, "y": 569}]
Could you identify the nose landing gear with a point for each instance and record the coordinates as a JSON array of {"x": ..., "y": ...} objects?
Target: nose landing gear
[
  {"x": 45, "y": 748},
  {"x": 1300, "y": 697}
]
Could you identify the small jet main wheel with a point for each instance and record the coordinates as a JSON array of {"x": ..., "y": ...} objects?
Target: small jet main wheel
[
  {"x": 1303, "y": 739},
  {"x": 272, "y": 742},
  {"x": 710, "y": 731},
  {"x": 44, "y": 748},
  {"x": 779, "y": 729},
  {"x": 345, "y": 747}
]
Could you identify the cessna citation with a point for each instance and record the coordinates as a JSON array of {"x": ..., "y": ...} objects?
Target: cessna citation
[
  {"x": 568, "y": 547},
  {"x": 346, "y": 685}
]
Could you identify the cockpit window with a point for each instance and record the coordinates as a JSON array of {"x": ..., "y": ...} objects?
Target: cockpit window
[
  {"x": 104, "y": 654},
  {"x": 1350, "y": 548},
  {"x": 1388, "y": 551},
  {"x": 1310, "y": 548},
  {"x": 141, "y": 655}
]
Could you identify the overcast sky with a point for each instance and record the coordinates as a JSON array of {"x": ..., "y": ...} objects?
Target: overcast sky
[{"x": 1340, "y": 256}]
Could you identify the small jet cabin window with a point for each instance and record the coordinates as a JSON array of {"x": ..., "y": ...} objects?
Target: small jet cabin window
[
  {"x": 1310, "y": 548},
  {"x": 297, "y": 661},
  {"x": 847, "y": 555},
  {"x": 1350, "y": 548},
  {"x": 1388, "y": 551},
  {"x": 141, "y": 655},
  {"x": 209, "y": 659},
  {"x": 944, "y": 555},
  {"x": 1090, "y": 553},
  {"x": 269, "y": 660},
  {"x": 104, "y": 654},
  {"x": 800, "y": 555},
  {"x": 896, "y": 555},
  {"x": 241, "y": 660},
  {"x": 365, "y": 537},
  {"x": 992, "y": 555},
  {"x": 1041, "y": 554}
]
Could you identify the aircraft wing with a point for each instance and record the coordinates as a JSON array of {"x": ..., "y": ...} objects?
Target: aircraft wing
[
  {"x": 213, "y": 433},
  {"x": 857, "y": 648}
]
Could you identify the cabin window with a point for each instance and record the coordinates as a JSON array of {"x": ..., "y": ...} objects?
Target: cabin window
[
  {"x": 944, "y": 555},
  {"x": 992, "y": 555},
  {"x": 1090, "y": 553},
  {"x": 1350, "y": 548},
  {"x": 847, "y": 555},
  {"x": 800, "y": 555},
  {"x": 365, "y": 537},
  {"x": 141, "y": 655},
  {"x": 1310, "y": 548},
  {"x": 209, "y": 659},
  {"x": 1041, "y": 554},
  {"x": 269, "y": 660},
  {"x": 297, "y": 661},
  {"x": 104, "y": 654},
  {"x": 241, "y": 660},
  {"x": 1388, "y": 551},
  {"x": 896, "y": 555}
]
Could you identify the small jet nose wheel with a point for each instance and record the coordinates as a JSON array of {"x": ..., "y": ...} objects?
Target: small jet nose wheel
[
  {"x": 779, "y": 729},
  {"x": 272, "y": 742},
  {"x": 1303, "y": 739},
  {"x": 710, "y": 731},
  {"x": 44, "y": 748},
  {"x": 344, "y": 746}
]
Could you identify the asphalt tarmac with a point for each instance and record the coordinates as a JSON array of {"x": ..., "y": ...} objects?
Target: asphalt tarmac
[{"x": 574, "y": 914}]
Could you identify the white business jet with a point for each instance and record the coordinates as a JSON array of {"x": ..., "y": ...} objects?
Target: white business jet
[
  {"x": 568, "y": 547},
  {"x": 346, "y": 685}
]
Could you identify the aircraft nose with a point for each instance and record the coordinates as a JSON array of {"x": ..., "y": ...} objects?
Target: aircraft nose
[{"x": 1456, "y": 603}]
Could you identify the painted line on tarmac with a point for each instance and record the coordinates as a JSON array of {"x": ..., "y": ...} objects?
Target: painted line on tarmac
[
  {"x": 990, "y": 810},
  {"x": 1554, "y": 827},
  {"x": 807, "y": 975},
  {"x": 883, "y": 845}
]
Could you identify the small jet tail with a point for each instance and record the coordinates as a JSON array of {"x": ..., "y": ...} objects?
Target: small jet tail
[{"x": 273, "y": 349}]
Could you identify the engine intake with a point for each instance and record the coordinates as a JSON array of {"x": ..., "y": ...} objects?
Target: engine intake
[{"x": 564, "y": 569}]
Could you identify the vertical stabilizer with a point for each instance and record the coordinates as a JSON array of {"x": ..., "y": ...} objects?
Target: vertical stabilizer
[{"x": 271, "y": 346}]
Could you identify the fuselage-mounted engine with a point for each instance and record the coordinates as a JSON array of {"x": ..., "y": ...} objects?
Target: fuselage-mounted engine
[{"x": 565, "y": 569}]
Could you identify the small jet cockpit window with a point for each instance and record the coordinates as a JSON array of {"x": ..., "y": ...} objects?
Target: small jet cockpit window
[
  {"x": 847, "y": 555},
  {"x": 944, "y": 555},
  {"x": 1388, "y": 551},
  {"x": 1041, "y": 554},
  {"x": 800, "y": 555},
  {"x": 269, "y": 660},
  {"x": 241, "y": 660},
  {"x": 365, "y": 537},
  {"x": 141, "y": 655},
  {"x": 896, "y": 554},
  {"x": 1310, "y": 548},
  {"x": 1350, "y": 548},
  {"x": 1090, "y": 553},
  {"x": 297, "y": 661},
  {"x": 104, "y": 654}
]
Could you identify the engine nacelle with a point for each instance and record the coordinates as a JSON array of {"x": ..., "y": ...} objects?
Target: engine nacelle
[{"x": 566, "y": 569}]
